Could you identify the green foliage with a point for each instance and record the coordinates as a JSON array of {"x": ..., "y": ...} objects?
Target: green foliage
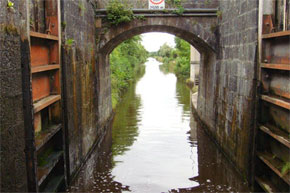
[
  {"x": 118, "y": 12},
  {"x": 166, "y": 55},
  {"x": 165, "y": 11},
  {"x": 179, "y": 11},
  {"x": 42, "y": 159},
  {"x": 153, "y": 54},
  {"x": 10, "y": 4},
  {"x": 140, "y": 17},
  {"x": 285, "y": 168},
  {"x": 184, "y": 95},
  {"x": 165, "y": 51},
  {"x": 183, "y": 47},
  {"x": 191, "y": 86},
  {"x": 31, "y": 22},
  {"x": 126, "y": 115},
  {"x": 182, "y": 68},
  {"x": 219, "y": 14},
  {"x": 194, "y": 89},
  {"x": 176, "y": 60},
  {"x": 82, "y": 7},
  {"x": 10, "y": 29},
  {"x": 63, "y": 25},
  {"x": 69, "y": 42},
  {"x": 177, "y": 4},
  {"x": 126, "y": 62},
  {"x": 207, "y": 2},
  {"x": 189, "y": 83}
]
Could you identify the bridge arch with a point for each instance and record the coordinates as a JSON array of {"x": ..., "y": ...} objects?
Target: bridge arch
[{"x": 198, "y": 31}]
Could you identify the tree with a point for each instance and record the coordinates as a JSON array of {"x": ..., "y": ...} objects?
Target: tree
[
  {"x": 182, "y": 68},
  {"x": 165, "y": 51},
  {"x": 126, "y": 63},
  {"x": 176, "y": 59}
]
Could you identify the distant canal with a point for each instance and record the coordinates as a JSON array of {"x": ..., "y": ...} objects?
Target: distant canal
[{"x": 156, "y": 146}]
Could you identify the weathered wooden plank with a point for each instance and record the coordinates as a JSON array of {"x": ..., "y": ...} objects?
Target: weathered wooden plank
[
  {"x": 266, "y": 185},
  {"x": 276, "y": 66},
  {"x": 43, "y": 36},
  {"x": 46, "y": 135},
  {"x": 54, "y": 184},
  {"x": 274, "y": 164},
  {"x": 44, "y": 171},
  {"x": 43, "y": 68},
  {"x": 276, "y": 101},
  {"x": 37, "y": 122},
  {"x": 45, "y": 102},
  {"x": 277, "y": 134},
  {"x": 277, "y": 34}
]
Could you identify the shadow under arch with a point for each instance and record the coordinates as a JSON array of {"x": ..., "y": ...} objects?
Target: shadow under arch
[{"x": 108, "y": 44}]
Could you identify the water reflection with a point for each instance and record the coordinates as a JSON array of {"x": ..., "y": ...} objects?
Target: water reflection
[
  {"x": 155, "y": 145},
  {"x": 125, "y": 124},
  {"x": 183, "y": 97}
]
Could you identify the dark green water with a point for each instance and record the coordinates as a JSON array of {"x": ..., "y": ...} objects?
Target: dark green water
[{"x": 155, "y": 145}]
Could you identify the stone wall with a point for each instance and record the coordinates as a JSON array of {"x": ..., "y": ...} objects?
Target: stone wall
[
  {"x": 14, "y": 58},
  {"x": 231, "y": 117},
  {"x": 80, "y": 80},
  {"x": 104, "y": 89},
  {"x": 194, "y": 64},
  {"x": 207, "y": 88}
]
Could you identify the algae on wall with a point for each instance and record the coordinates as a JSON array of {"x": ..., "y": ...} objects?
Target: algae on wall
[{"x": 14, "y": 49}]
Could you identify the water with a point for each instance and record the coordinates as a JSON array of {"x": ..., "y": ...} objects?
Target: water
[{"x": 155, "y": 145}]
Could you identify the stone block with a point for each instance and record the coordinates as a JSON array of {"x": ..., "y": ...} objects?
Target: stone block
[
  {"x": 11, "y": 82},
  {"x": 233, "y": 84}
]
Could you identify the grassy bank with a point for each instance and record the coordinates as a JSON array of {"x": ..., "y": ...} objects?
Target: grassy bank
[
  {"x": 175, "y": 60},
  {"x": 127, "y": 64}
]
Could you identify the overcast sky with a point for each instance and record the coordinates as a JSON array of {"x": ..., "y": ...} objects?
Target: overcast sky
[{"x": 152, "y": 41}]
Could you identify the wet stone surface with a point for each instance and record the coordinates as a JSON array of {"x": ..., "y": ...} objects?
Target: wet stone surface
[{"x": 155, "y": 145}]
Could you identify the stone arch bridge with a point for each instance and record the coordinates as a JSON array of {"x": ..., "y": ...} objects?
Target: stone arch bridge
[
  {"x": 197, "y": 26},
  {"x": 227, "y": 91}
]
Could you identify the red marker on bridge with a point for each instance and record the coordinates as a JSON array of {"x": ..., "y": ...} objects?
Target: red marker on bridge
[{"x": 156, "y": 2}]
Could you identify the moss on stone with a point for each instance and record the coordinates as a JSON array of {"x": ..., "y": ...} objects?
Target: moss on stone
[{"x": 9, "y": 29}]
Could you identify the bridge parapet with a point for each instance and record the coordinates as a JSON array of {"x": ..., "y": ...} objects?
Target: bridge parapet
[
  {"x": 143, "y": 4},
  {"x": 171, "y": 12},
  {"x": 196, "y": 25}
]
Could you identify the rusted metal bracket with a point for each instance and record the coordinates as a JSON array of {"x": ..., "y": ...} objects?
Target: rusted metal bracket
[{"x": 268, "y": 26}]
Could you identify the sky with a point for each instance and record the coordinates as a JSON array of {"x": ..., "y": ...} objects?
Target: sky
[{"x": 153, "y": 40}]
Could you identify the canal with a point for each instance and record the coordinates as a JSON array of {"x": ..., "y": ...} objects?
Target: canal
[{"x": 155, "y": 145}]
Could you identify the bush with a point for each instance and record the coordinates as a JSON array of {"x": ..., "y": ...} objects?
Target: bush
[
  {"x": 118, "y": 12},
  {"x": 175, "y": 60},
  {"x": 126, "y": 63}
]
